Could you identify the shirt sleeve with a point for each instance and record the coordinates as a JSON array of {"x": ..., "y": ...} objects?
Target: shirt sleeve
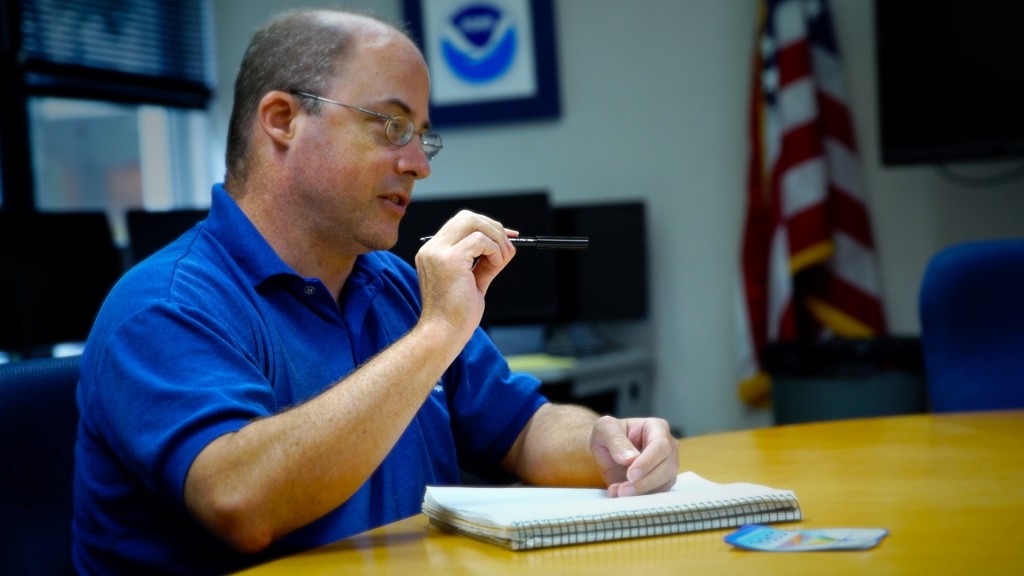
[
  {"x": 161, "y": 400},
  {"x": 490, "y": 404}
]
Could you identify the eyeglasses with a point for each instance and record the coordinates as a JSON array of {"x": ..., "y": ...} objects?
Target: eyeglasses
[{"x": 397, "y": 129}]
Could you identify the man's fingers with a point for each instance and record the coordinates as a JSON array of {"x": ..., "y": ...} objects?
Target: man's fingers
[
  {"x": 636, "y": 456},
  {"x": 623, "y": 451}
]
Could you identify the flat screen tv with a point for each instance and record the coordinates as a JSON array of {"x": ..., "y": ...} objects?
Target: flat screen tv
[
  {"x": 525, "y": 291},
  {"x": 950, "y": 80}
]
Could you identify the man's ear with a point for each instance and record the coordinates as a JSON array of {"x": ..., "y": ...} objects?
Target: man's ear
[{"x": 277, "y": 112}]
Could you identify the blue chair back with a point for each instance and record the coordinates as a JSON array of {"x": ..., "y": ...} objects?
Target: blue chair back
[
  {"x": 38, "y": 425},
  {"x": 972, "y": 326}
]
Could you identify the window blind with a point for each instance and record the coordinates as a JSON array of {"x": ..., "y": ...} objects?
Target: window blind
[{"x": 142, "y": 51}]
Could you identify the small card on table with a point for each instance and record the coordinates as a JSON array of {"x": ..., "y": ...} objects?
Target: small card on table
[{"x": 767, "y": 539}]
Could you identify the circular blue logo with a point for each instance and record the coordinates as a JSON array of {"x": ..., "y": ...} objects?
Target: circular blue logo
[{"x": 480, "y": 45}]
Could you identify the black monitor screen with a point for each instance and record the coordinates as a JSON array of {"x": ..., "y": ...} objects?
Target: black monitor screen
[
  {"x": 949, "y": 80},
  {"x": 524, "y": 292},
  {"x": 608, "y": 280},
  {"x": 149, "y": 231},
  {"x": 55, "y": 270}
]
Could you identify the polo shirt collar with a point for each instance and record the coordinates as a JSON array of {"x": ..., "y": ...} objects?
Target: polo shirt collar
[
  {"x": 257, "y": 258},
  {"x": 236, "y": 233}
]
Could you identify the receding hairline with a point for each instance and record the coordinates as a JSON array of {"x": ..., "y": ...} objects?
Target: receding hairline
[
  {"x": 370, "y": 32},
  {"x": 364, "y": 25}
]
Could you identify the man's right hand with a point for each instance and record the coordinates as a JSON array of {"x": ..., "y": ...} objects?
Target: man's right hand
[{"x": 457, "y": 265}]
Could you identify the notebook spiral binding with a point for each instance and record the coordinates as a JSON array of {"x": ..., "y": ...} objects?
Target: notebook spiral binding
[{"x": 657, "y": 522}]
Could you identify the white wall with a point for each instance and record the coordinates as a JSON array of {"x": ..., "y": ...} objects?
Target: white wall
[{"x": 654, "y": 97}]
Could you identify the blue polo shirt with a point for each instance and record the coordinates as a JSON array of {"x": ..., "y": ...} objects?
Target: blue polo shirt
[{"x": 215, "y": 331}]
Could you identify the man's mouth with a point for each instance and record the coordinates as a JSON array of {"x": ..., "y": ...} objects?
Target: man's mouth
[{"x": 397, "y": 199}]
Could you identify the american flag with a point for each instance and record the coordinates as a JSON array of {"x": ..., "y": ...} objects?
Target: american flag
[{"x": 808, "y": 267}]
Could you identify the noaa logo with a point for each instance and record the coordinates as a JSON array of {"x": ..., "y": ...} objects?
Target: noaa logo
[{"x": 480, "y": 44}]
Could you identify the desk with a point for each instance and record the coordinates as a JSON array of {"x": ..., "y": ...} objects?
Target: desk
[
  {"x": 624, "y": 375},
  {"x": 950, "y": 488}
]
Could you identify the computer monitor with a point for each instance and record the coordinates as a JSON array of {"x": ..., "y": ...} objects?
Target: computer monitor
[
  {"x": 56, "y": 268},
  {"x": 151, "y": 230},
  {"x": 608, "y": 280},
  {"x": 524, "y": 292}
]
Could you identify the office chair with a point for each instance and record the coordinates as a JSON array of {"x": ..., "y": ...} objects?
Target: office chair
[
  {"x": 38, "y": 424},
  {"x": 972, "y": 326}
]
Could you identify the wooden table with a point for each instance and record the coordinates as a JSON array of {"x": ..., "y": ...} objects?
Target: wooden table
[{"x": 950, "y": 488}]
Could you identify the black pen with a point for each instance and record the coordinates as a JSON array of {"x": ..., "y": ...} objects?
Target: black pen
[{"x": 545, "y": 242}]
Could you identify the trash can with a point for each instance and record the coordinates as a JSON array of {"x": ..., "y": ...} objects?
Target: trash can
[{"x": 846, "y": 378}]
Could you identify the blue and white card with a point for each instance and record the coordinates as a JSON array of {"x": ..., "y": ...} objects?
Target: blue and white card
[{"x": 767, "y": 539}]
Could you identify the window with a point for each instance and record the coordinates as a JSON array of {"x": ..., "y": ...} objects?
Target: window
[
  {"x": 103, "y": 109},
  {"x": 108, "y": 108},
  {"x": 93, "y": 155}
]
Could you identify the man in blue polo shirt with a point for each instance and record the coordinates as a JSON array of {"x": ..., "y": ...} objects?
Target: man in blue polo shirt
[{"x": 274, "y": 380}]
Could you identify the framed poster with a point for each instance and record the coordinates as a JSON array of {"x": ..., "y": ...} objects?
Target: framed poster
[{"x": 489, "y": 60}]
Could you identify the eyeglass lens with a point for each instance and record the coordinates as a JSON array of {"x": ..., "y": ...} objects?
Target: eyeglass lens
[
  {"x": 398, "y": 130},
  {"x": 431, "y": 142}
]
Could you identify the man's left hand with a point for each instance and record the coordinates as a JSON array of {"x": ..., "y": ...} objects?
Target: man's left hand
[{"x": 636, "y": 455}]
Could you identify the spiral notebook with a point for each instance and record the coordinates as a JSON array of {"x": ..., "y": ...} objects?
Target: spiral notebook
[{"x": 524, "y": 518}]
